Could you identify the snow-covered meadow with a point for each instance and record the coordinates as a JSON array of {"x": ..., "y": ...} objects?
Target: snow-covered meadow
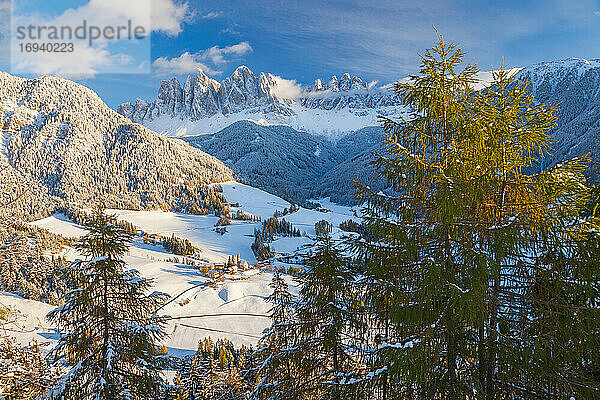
[{"x": 235, "y": 308}]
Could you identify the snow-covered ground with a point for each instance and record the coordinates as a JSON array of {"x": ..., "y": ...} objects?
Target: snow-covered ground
[
  {"x": 330, "y": 123},
  {"x": 199, "y": 229},
  {"x": 59, "y": 223},
  {"x": 253, "y": 200},
  {"x": 27, "y": 321},
  {"x": 235, "y": 309},
  {"x": 194, "y": 302}
]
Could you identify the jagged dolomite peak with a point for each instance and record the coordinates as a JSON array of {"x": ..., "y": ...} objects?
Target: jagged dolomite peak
[{"x": 204, "y": 105}]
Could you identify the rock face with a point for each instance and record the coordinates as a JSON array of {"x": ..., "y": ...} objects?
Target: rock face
[
  {"x": 348, "y": 92},
  {"x": 202, "y": 97},
  {"x": 60, "y": 139},
  {"x": 244, "y": 92}
]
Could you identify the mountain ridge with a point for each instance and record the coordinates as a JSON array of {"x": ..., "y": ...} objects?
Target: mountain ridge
[
  {"x": 264, "y": 96},
  {"x": 294, "y": 165}
]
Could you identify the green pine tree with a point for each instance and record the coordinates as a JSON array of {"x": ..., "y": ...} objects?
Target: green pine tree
[
  {"x": 326, "y": 320},
  {"x": 527, "y": 226},
  {"x": 413, "y": 258},
  {"x": 452, "y": 261},
  {"x": 280, "y": 372},
  {"x": 107, "y": 323}
]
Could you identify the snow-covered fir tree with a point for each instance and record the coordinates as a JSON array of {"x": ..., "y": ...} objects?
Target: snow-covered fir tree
[
  {"x": 217, "y": 370},
  {"x": 107, "y": 323},
  {"x": 326, "y": 323},
  {"x": 25, "y": 267},
  {"x": 281, "y": 369}
]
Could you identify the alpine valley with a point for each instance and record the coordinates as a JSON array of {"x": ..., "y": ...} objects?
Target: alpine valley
[
  {"x": 219, "y": 184},
  {"x": 314, "y": 141}
]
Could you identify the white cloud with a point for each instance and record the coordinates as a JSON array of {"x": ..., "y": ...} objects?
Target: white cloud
[
  {"x": 230, "y": 31},
  {"x": 212, "y": 15},
  {"x": 169, "y": 17},
  {"x": 184, "y": 64},
  {"x": 597, "y": 13},
  {"x": 164, "y": 16},
  {"x": 217, "y": 54},
  {"x": 286, "y": 88},
  {"x": 155, "y": 15},
  {"x": 203, "y": 59}
]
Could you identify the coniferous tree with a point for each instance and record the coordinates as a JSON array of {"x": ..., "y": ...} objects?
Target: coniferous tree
[
  {"x": 280, "y": 372},
  {"x": 107, "y": 322},
  {"x": 323, "y": 228},
  {"x": 452, "y": 261},
  {"x": 412, "y": 258},
  {"x": 215, "y": 371},
  {"x": 527, "y": 226},
  {"x": 260, "y": 247},
  {"x": 325, "y": 318}
]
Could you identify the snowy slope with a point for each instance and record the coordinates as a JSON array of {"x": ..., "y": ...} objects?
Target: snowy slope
[
  {"x": 242, "y": 293},
  {"x": 28, "y": 320},
  {"x": 59, "y": 223},
  {"x": 198, "y": 229},
  {"x": 332, "y": 124},
  {"x": 193, "y": 307},
  {"x": 255, "y": 201}
]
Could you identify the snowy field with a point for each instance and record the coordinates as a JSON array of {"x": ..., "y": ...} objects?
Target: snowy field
[
  {"x": 199, "y": 310},
  {"x": 230, "y": 310}
]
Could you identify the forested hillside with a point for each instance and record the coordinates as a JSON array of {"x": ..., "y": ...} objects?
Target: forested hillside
[
  {"x": 293, "y": 164},
  {"x": 67, "y": 146},
  {"x": 572, "y": 86}
]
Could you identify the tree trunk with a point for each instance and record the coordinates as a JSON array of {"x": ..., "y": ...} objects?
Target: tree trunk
[
  {"x": 493, "y": 328},
  {"x": 493, "y": 339}
]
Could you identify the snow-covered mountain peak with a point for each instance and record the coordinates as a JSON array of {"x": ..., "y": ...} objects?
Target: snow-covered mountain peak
[
  {"x": 558, "y": 69},
  {"x": 204, "y": 105}
]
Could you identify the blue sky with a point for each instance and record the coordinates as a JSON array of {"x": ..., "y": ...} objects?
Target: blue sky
[{"x": 377, "y": 40}]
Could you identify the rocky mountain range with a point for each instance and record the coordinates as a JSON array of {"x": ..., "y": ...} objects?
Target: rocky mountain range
[
  {"x": 202, "y": 97},
  {"x": 190, "y": 108},
  {"x": 298, "y": 165}
]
